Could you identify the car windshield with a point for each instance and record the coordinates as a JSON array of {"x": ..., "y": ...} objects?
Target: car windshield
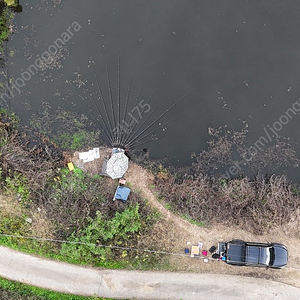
[
  {"x": 268, "y": 255},
  {"x": 272, "y": 256},
  {"x": 263, "y": 255}
]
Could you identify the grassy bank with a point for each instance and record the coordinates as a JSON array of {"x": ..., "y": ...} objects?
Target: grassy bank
[
  {"x": 7, "y": 14},
  {"x": 43, "y": 198}
]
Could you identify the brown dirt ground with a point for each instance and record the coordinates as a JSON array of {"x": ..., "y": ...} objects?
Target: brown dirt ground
[
  {"x": 174, "y": 233},
  {"x": 9, "y": 206},
  {"x": 40, "y": 226}
]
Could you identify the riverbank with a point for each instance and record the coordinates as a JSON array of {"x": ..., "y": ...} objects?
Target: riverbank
[
  {"x": 176, "y": 232},
  {"x": 61, "y": 206}
]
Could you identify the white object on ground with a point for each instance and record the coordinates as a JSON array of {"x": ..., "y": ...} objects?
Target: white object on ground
[{"x": 89, "y": 155}]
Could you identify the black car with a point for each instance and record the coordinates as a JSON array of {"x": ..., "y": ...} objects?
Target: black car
[{"x": 240, "y": 253}]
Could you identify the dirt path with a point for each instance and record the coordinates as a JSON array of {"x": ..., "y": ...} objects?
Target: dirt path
[
  {"x": 136, "y": 284},
  {"x": 194, "y": 279},
  {"x": 179, "y": 232}
]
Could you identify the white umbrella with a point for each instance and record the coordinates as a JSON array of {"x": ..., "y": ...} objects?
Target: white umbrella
[{"x": 117, "y": 165}]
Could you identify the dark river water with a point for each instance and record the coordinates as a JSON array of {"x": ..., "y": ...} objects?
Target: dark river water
[{"x": 238, "y": 61}]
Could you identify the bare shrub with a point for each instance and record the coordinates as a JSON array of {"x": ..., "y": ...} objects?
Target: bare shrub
[
  {"x": 32, "y": 164},
  {"x": 69, "y": 208},
  {"x": 28, "y": 154},
  {"x": 254, "y": 205}
]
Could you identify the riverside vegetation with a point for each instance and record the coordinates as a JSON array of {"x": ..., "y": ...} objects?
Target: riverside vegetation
[
  {"x": 44, "y": 199},
  {"x": 7, "y": 9},
  {"x": 40, "y": 197},
  {"x": 202, "y": 194}
]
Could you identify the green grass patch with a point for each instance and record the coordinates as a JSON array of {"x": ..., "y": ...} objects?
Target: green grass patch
[
  {"x": 5, "y": 19},
  {"x": 75, "y": 141},
  {"x": 18, "y": 183},
  {"x": 190, "y": 220},
  {"x": 121, "y": 226},
  {"x": 115, "y": 231},
  {"x": 85, "y": 247},
  {"x": 52, "y": 250}
]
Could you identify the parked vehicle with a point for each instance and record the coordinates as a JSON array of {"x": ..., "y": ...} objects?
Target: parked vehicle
[{"x": 240, "y": 253}]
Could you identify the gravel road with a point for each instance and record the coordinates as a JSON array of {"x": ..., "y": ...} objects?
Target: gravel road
[{"x": 121, "y": 284}]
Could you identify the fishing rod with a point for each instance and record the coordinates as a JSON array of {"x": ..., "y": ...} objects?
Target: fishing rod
[
  {"x": 135, "y": 131},
  {"x": 128, "y": 132},
  {"x": 125, "y": 139},
  {"x": 141, "y": 125},
  {"x": 127, "y": 97},
  {"x": 119, "y": 98},
  {"x": 151, "y": 132},
  {"x": 126, "y": 103},
  {"x": 161, "y": 126},
  {"x": 110, "y": 97},
  {"x": 99, "y": 112},
  {"x": 106, "y": 131},
  {"x": 99, "y": 124},
  {"x": 157, "y": 119},
  {"x": 104, "y": 105},
  {"x": 158, "y": 138}
]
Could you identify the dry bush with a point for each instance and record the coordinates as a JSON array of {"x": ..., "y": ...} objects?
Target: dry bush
[
  {"x": 253, "y": 205},
  {"x": 201, "y": 192},
  {"x": 37, "y": 162},
  {"x": 69, "y": 208},
  {"x": 66, "y": 198}
]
